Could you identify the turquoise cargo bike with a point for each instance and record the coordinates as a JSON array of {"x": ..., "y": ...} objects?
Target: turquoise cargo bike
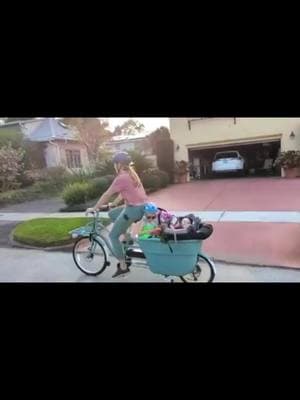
[{"x": 181, "y": 261}]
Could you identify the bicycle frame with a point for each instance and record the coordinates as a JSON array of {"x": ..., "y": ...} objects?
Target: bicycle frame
[{"x": 104, "y": 240}]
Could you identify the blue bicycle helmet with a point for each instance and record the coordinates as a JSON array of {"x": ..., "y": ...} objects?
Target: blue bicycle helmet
[
  {"x": 150, "y": 208},
  {"x": 122, "y": 158}
]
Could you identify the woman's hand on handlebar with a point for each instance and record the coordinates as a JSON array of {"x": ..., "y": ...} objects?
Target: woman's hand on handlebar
[
  {"x": 93, "y": 210},
  {"x": 90, "y": 210}
]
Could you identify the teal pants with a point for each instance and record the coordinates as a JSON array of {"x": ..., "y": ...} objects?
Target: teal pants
[{"x": 123, "y": 218}]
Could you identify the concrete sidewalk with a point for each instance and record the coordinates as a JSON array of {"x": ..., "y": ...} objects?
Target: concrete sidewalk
[
  {"x": 19, "y": 265},
  {"x": 212, "y": 216}
]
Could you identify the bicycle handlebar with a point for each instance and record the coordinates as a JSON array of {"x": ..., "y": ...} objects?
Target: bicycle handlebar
[{"x": 102, "y": 209}]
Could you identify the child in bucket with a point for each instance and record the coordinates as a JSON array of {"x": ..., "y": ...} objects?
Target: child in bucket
[{"x": 149, "y": 225}]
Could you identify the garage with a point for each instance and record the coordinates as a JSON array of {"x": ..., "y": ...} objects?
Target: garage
[{"x": 259, "y": 158}]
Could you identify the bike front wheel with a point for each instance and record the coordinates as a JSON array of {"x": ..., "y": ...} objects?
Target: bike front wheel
[
  {"x": 89, "y": 256},
  {"x": 204, "y": 271}
]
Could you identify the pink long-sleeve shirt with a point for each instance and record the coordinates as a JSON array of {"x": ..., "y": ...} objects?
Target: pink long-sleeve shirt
[{"x": 124, "y": 185}]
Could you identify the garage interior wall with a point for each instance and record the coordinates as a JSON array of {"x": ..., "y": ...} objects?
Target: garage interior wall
[{"x": 213, "y": 131}]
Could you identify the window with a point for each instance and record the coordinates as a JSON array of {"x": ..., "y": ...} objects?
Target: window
[{"x": 73, "y": 159}]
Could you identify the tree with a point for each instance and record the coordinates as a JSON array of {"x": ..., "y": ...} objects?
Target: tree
[
  {"x": 155, "y": 137},
  {"x": 92, "y": 132},
  {"x": 163, "y": 147},
  {"x": 129, "y": 127},
  {"x": 12, "y": 135}
]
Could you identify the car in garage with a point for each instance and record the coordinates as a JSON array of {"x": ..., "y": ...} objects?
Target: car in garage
[{"x": 228, "y": 161}]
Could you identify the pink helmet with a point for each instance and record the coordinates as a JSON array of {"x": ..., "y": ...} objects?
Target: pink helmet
[{"x": 165, "y": 217}]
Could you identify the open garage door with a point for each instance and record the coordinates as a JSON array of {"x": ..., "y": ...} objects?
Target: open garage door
[{"x": 259, "y": 158}]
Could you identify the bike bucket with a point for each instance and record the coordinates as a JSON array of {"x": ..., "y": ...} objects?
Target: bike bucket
[{"x": 172, "y": 258}]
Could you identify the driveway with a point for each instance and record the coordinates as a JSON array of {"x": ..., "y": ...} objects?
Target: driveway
[
  {"x": 244, "y": 194},
  {"x": 50, "y": 205}
]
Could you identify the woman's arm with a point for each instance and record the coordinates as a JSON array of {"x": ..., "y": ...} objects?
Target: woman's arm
[
  {"x": 117, "y": 201},
  {"x": 104, "y": 199},
  {"x": 116, "y": 187}
]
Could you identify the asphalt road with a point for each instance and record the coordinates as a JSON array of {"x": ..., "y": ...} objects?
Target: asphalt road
[{"x": 20, "y": 265}]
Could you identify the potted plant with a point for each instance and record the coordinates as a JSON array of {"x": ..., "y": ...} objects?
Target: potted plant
[
  {"x": 181, "y": 171},
  {"x": 290, "y": 162}
]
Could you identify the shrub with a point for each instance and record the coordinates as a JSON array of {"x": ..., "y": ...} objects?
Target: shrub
[
  {"x": 34, "y": 155},
  {"x": 54, "y": 175},
  {"x": 11, "y": 165},
  {"x": 10, "y": 135},
  {"x": 47, "y": 188},
  {"x": 151, "y": 179},
  {"x": 288, "y": 159},
  {"x": 81, "y": 175},
  {"x": 154, "y": 178},
  {"x": 25, "y": 179},
  {"x": 104, "y": 167},
  {"x": 164, "y": 178},
  {"x": 141, "y": 163},
  {"x": 97, "y": 187},
  {"x": 57, "y": 174},
  {"x": 20, "y": 195},
  {"x": 76, "y": 193}
]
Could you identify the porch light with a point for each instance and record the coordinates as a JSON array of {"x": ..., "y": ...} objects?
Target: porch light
[{"x": 292, "y": 136}]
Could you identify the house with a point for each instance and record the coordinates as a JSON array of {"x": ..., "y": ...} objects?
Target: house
[
  {"x": 257, "y": 139},
  {"x": 137, "y": 142},
  {"x": 58, "y": 144},
  {"x": 129, "y": 142}
]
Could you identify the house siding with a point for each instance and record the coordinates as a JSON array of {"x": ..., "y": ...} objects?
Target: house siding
[
  {"x": 74, "y": 146},
  {"x": 225, "y": 131}
]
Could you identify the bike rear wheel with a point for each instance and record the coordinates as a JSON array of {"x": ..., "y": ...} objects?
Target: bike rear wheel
[
  {"x": 89, "y": 256},
  {"x": 204, "y": 271}
]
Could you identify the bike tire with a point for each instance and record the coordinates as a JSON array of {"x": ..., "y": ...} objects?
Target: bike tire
[
  {"x": 84, "y": 270},
  {"x": 197, "y": 270}
]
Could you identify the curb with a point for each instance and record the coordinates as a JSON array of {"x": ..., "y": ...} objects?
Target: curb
[
  {"x": 15, "y": 244},
  {"x": 244, "y": 264}
]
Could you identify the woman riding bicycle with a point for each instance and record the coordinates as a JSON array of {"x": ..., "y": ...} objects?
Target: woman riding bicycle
[{"x": 129, "y": 188}]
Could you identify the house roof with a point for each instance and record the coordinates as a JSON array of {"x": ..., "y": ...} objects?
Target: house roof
[
  {"x": 129, "y": 138},
  {"x": 42, "y": 129},
  {"x": 49, "y": 129}
]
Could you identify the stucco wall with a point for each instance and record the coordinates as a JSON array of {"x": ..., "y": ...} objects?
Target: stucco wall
[
  {"x": 74, "y": 146},
  {"x": 55, "y": 154},
  {"x": 217, "y": 131},
  {"x": 52, "y": 156}
]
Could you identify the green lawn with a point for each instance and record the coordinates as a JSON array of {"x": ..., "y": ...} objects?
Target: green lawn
[{"x": 48, "y": 232}]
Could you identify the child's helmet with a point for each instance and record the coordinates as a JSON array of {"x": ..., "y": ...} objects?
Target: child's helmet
[
  {"x": 150, "y": 208},
  {"x": 165, "y": 217}
]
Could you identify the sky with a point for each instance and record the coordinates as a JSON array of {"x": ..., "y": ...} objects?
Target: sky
[{"x": 150, "y": 123}]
